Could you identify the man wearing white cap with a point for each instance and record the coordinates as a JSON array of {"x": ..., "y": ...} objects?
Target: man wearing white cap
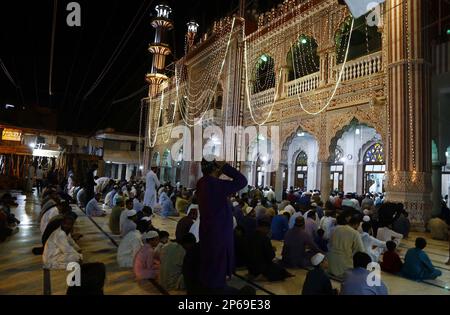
[
  {"x": 146, "y": 263},
  {"x": 129, "y": 224},
  {"x": 317, "y": 281}
]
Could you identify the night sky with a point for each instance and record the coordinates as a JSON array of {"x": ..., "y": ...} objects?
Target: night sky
[{"x": 82, "y": 53}]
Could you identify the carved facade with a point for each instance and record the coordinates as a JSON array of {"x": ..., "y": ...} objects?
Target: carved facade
[{"x": 365, "y": 96}]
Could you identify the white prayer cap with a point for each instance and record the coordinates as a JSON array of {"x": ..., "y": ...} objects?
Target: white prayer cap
[
  {"x": 247, "y": 210},
  {"x": 235, "y": 203},
  {"x": 314, "y": 204},
  {"x": 317, "y": 259},
  {"x": 150, "y": 235},
  {"x": 131, "y": 213},
  {"x": 366, "y": 218},
  {"x": 191, "y": 207},
  {"x": 290, "y": 209},
  {"x": 148, "y": 219}
]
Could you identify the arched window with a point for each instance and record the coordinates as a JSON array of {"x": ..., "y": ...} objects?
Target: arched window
[
  {"x": 375, "y": 154},
  {"x": 264, "y": 74},
  {"x": 303, "y": 59},
  {"x": 365, "y": 39}
]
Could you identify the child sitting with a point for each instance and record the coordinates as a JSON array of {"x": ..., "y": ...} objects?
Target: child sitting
[
  {"x": 418, "y": 265},
  {"x": 391, "y": 261}
]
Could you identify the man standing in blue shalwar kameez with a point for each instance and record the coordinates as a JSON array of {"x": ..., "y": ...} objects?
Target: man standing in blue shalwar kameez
[{"x": 216, "y": 225}]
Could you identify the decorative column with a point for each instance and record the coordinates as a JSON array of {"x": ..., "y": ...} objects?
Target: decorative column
[
  {"x": 279, "y": 182},
  {"x": 409, "y": 119},
  {"x": 325, "y": 182},
  {"x": 324, "y": 69}
]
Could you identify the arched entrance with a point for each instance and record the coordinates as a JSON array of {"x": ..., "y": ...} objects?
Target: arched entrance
[
  {"x": 352, "y": 171},
  {"x": 166, "y": 167},
  {"x": 374, "y": 169},
  {"x": 301, "y": 171},
  {"x": 300, "y": 154}
]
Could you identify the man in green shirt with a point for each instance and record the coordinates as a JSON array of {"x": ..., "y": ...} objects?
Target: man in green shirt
[{"x": 114, "y": 219}]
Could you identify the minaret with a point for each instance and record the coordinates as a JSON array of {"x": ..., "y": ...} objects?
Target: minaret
[{"x": 159, "y": 48}]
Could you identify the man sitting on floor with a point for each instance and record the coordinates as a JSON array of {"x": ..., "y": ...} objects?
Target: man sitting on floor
[
  {"x": 260, "y": 255},
  {"x": 356, "y": 280},
  {"x": 344, "y": 243},
  {"x": 114, "y": 218},
  {"x": 296, "y": 244},
  {"x": 317, "y": 281},
  {"x": 129, "y": 223},
  {"x": 438, "y": 229},
  {"x": 185, "y": 224},
  {"x": 146, "y": 263},
  {"x": 61, "y": 208},
  {"x": 172, "y": 257},
  {"x": 61, "y": 249},
  {"x": 418, "y": 265},
  {"x": 129, "y": 247},
  {"x": 93, "y": 209}
]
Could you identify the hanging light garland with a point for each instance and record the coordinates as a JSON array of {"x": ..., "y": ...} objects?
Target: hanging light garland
[
  {"x": 338, "y": 82},
  {"x": 195, "y": 95}
]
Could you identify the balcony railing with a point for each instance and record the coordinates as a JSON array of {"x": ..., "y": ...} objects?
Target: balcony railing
[
  {"x": 302, "y": 85},
  {"x": 263, "y": 98},
  {"x": 361, "y": 67}
]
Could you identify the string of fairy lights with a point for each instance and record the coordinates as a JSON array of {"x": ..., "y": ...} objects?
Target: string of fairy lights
[{"x": 196, "y": 84}]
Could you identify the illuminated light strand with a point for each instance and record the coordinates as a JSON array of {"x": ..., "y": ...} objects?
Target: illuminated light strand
[
  {"x": 200, "y": 119},
  {"x": 337, "y": 83},
  {"x": 205, "y": 93}
]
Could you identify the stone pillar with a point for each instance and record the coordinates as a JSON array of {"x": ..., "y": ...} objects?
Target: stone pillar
[
  {"x": 279, "y": 182},
  {"x": 331, "y": 64},
  {"x": 324, "y": 69},
  {"x": 409, "y": 117},
  {"x": 360, "y": 179},
  {"x": 436, "y": 197},
  {"x": 325, "y": 174}
]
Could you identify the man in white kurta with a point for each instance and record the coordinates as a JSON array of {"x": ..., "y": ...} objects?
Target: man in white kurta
[
  {"x": 344, "y": 243},
  {"x": 128, "y": 248},
  {"x": 47, "y": 217},
  {"x": 152, "y": 183},
  {"x": 60, "y": 250},
  {"x": 101, "y": 182}
]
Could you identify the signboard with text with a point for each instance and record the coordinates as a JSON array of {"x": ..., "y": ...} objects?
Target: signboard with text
[{"x": 11, "y": 135}]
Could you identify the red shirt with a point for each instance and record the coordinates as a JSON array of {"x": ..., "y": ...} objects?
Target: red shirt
[{"x": 391, "y": 262}]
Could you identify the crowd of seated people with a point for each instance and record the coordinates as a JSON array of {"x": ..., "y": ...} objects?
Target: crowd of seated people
[{"x": 339, "y": 237}]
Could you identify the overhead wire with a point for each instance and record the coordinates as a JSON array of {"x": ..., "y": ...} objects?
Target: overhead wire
[{"x": 119, "y": 48}]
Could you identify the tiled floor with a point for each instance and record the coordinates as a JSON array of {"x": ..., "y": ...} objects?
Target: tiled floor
[{"x": 21, "y": 271}]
